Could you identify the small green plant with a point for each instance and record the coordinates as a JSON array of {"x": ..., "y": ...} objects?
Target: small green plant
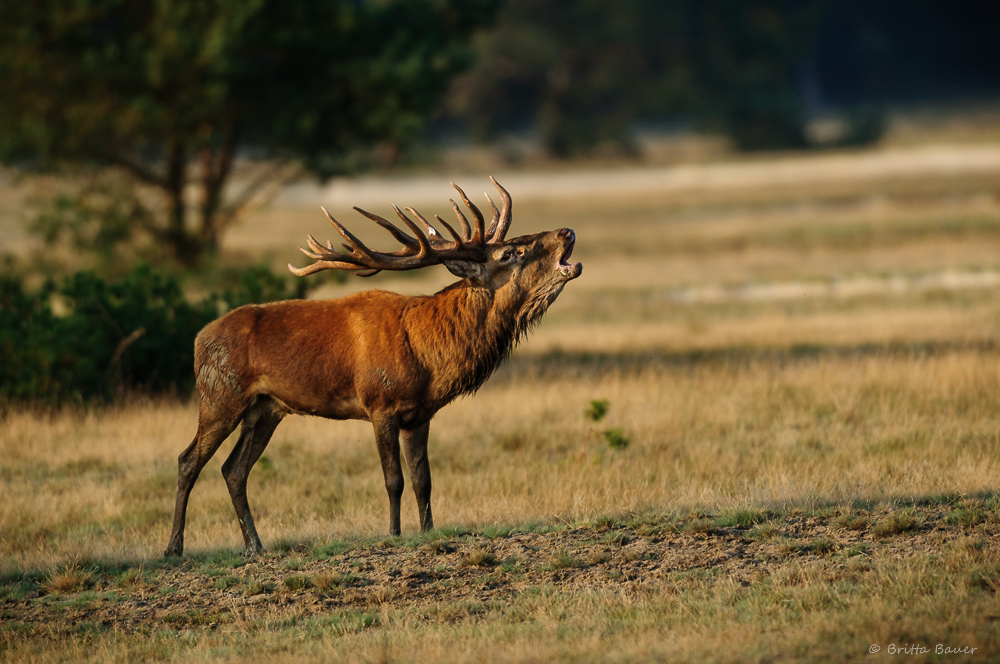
[
  {"x": 614, "y": 437},
  {"x": 597, "y": 409}
]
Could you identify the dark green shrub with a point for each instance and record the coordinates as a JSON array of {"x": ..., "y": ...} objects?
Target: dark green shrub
[{"x": 85, "y": 339}]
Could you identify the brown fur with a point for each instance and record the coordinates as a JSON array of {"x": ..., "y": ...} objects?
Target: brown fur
[{"x": 390, "y": 359}]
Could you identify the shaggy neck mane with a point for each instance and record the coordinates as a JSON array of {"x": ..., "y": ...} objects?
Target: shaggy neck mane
[{"x": 469, "y": 332}]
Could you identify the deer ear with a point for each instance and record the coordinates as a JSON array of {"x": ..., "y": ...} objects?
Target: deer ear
[{"x": 466, "y": 269}]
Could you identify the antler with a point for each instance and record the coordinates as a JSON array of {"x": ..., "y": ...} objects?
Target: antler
[{"x": 425, "y": 247}]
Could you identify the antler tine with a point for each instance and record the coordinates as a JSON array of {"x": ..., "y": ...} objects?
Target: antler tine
[
  {"x": 480, "y": 231},
  {"x": 425, "y": 245},
  {"x": 432, "y": 233},
  {"x": 396, "y": 232},
  {"x": 319, "y": 266},
  {"x": 504, "y": 221},
  {"x": 466, "y": 229},
  {"x": 467, "y": 232},
  {"x": 496, "y": 218},
  {"x": 459, "y": 242},
  {"x": 356, "y": 245},
  {"x": 319, "y": 251}
]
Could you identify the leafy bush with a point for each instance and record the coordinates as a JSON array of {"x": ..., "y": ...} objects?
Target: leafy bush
[{"x": 85, "y": 339}]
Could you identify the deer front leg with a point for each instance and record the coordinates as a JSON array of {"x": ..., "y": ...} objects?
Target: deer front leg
[
  {"x": 387, "y": 440},
  {"x": 414, "y": 443}
]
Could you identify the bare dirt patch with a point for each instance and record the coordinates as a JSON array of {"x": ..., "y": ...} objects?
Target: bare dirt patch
[{"x": 452, "y": 575}]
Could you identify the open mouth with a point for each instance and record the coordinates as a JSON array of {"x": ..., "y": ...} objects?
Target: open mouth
[
  {"x": 564, "y": 261},
  {"x": 567, "y": 269}
]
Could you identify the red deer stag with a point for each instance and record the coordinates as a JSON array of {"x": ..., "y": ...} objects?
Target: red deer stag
[{"x": 390, "y": 359}]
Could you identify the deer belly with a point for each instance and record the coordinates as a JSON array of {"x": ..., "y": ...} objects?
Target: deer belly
[{"x": 334, "y": 404}]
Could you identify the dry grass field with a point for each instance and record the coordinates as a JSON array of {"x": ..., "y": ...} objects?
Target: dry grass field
[{"x": 800, "y": 459}]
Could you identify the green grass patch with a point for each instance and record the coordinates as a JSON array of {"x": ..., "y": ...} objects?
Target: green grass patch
[
  {"x": 226, "y": 582},
  {"x": 257, "y": 587},
  {"x": 328, "y": 550},
  {"x": 68, "y": 579},
  {"x": 742, "y": 518},
  {"x": 297, "y": 582},
  {"x": 606, "y": 522},
  {"x": 851, "y": 522},
  {"x": 765, "y": 531},
  {"x": 699, "y": 527},
  {"x": 497, "y": 532},
  {"x": 895, "y": 523},
  {"x": 967, "y": 517},
  {"x": 328, "y": 581},
  {"x": 478, "y": 557},
  {"x": 562, "y": 559},
  {"x": 217, "y": 563}
]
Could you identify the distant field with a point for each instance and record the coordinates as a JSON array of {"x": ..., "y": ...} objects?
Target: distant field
[{"x": 806, "y": 375}]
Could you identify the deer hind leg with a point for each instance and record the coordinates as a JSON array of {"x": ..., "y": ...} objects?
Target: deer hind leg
[
  {"x": 387, "y": 440},
  {"x": 259, "y": 424},
  {"x": 414, "y": 443},
  {"x": 213, "y": 428}
]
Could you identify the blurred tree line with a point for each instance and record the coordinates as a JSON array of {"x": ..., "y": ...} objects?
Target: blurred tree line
[
  {"x": 583, "y": 72},
  {"x": 166, "y": 93},
  {"x": 149, "y": 104}
]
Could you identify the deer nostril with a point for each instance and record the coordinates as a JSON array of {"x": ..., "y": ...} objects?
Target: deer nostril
[{"x": 566, "y": 232}]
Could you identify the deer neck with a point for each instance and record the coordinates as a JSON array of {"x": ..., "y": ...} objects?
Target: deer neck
[{"x": 462, "y": 335}]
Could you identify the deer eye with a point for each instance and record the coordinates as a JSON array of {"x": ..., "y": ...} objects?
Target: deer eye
[{"x": 507, "y": 255}]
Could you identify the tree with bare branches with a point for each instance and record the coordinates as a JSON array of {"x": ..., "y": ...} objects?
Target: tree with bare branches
[{"x": 169, "y": 93}]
